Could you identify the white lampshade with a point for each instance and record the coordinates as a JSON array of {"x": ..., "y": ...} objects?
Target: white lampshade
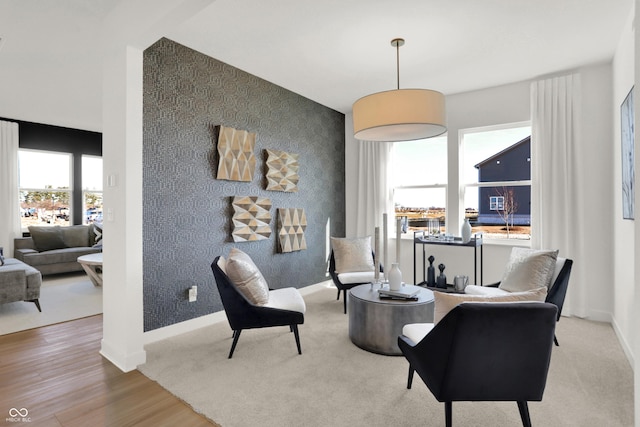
[{"x": 399, "y": 115}]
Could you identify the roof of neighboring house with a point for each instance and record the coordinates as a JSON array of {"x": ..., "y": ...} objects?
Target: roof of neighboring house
[{"x": 506, "y": 150}]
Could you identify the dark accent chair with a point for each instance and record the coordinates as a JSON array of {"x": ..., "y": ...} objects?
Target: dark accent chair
[
  {"x": 486, "y": 352},
  {"x": 242, "y": 314},
  {"x": 344, "y": 287},
  {"x": 558, "y": 290}
]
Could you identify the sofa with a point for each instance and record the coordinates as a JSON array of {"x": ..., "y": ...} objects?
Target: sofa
[
  {"x": 54, "y": 250},
  {"x": 19, "y": 282}
]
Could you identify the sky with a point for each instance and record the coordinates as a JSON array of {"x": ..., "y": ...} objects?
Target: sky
[
  {"x": 424, "y": 162},
  {"x": 39, "y": 169}
]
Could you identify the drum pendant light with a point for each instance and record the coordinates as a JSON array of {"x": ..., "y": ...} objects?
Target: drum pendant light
[{"x": 401, "y": 114}]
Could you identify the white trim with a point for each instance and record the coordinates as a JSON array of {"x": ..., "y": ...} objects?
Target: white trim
[{"x": 211, "y": 319}]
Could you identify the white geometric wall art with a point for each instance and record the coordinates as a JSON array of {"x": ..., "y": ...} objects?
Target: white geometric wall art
[
  {"x": 251, "y": 218},
  {"x": 235, "y": 151},
  {"x": 292, "y": 222},
  {"x": 282, "y": 171}
]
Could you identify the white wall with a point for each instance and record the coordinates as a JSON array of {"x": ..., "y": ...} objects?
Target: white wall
[
  {"x": 509, "y": 104},
  {"x": 623, "y": 230}
]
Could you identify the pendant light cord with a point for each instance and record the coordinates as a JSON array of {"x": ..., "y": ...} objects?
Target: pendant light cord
[{"x": 397, "y": 43}]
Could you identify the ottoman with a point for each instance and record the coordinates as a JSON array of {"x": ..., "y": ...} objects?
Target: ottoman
[{"x": 19, "y": 282}]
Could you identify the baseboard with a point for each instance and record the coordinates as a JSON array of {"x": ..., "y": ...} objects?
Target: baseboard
[
  {"x": 210, "y": 319},
  {"x": 623, "y": 342},
  {"x": 124, "y": 362}
]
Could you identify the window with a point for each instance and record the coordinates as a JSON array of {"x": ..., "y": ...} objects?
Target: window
[
  {"x": 496, "y": 203},
  {"x": 45, "y": 187},
  {"x": 92, "y": 189},
  {"x": 495, "y": 173},
  {"x": 420, "y": 181}
]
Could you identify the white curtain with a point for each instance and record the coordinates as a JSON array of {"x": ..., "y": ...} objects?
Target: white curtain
[
  {"x": 556, "y": 190},
  {"x": 9, "y": 206},
  {"x": 374, "y": 189}
]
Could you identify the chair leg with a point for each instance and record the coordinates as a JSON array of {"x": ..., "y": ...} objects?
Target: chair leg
[
  {"x": 410, "y": 378},
  {"x": 447, "y": 414},
  {"x": 338, "y": 295},
  {"x": 524, "y": 413},
  {"x": 236, "y": 335},
  {"x": 345, "y": 301},
  {"x": 295, "y": 333},
  {"x": 37, "y": 303},
  {"x": 555, "y": 340}
]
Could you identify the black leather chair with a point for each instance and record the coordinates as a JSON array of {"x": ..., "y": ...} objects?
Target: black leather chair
[
  {"x": 242, "y": 314},
  {"x": 344, "y": 287},
  {"x": 486, "y": 352}
]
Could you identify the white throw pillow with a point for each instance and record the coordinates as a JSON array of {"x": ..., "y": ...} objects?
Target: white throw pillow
[
  {"x": 445, "y": 302},
  {"x": 528, "y": 269},
  {"x": 352, "y": 254},
  {"x": 245, "y": 275}
]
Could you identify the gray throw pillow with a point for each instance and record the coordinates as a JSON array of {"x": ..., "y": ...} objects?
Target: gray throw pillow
[
  {"x": 47, "y": 238},
  {"x": 529, "y": 269},
  {"x": 245, "y": 275},
  {"x": 352, "y": 254},
  {"x": 76, "y": 236}
]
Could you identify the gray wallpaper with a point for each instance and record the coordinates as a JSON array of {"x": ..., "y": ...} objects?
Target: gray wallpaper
[{"x": 187, "y": 212}]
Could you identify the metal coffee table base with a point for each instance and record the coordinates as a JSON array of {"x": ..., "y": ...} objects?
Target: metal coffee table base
[{"x": 375, "y": 324}]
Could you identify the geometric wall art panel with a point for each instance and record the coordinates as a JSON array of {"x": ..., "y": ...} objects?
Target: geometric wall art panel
[
  {"x": 292, "y": 222},
  {"x": 235, "y": 150},
  {"x": 282, "y": 171},
  {"x": 251, "y": 218}
]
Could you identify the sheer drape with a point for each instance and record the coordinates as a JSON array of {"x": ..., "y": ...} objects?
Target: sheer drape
[
  {"x": 9, "y": 206},
  {"x": 374, "y": 189},
  {"x": 556, "y": 191}
]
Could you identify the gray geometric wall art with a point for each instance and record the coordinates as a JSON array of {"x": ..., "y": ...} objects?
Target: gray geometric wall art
[
  {"x": 235, "y": 150},
  {"x": 292, "y": 222},
  {"x": 251, "y": 218},
  {"x": 282, "y": 171}
]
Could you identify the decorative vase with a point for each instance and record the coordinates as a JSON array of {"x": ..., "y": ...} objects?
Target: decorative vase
[
  {"x": 466, "y": 231},
  {"x": 395, "y": 277},
  {"x": 431, "y": 272},
  {"x": 442, "y": 278}
]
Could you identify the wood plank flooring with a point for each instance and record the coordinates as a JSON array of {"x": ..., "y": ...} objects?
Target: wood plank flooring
[{"x": 58, "y": 375}]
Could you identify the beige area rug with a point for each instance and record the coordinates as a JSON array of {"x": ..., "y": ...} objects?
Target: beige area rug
[
  {"x": 63, "y": 297},
  {"x": 334, "y": 383}
]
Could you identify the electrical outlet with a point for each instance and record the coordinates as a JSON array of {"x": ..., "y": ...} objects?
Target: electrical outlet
[{"x": 193, "y": 293}]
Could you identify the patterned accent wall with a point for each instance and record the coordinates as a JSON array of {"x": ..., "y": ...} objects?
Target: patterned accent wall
[{"x": 187, "y": 211}]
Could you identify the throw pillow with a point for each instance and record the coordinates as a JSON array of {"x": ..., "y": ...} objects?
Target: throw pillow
[
  {"x": 352, "y": 254},
  {"x": 528, "y": 269},
  {"x": 245, "y": 275},
  {"x": 47, "y": 238},
  {"x": 76, "y": 236},
  {"x": 97, "y": 234},
  {"x": 445, "y": 302}
]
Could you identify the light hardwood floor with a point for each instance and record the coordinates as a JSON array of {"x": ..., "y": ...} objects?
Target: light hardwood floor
[{"x": 57, "y": 374}]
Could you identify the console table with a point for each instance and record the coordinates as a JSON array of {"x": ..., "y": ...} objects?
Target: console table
[{"x": 419, "y": 238}]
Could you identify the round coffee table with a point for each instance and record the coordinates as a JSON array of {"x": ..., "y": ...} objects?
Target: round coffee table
[
  {"x": 375, "y": 324},
  {"x": 92, "y": 265}
]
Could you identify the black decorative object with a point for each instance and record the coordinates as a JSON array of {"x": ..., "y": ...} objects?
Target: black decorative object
[
  {"x": 442, "y": 279},
  {"x": 431, "y": 272}
]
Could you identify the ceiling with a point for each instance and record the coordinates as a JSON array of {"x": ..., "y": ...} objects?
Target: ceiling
[{"x": 330, "y": 51}]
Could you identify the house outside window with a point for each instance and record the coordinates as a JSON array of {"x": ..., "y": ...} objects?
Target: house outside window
[{"x": 496, "y": 175}]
